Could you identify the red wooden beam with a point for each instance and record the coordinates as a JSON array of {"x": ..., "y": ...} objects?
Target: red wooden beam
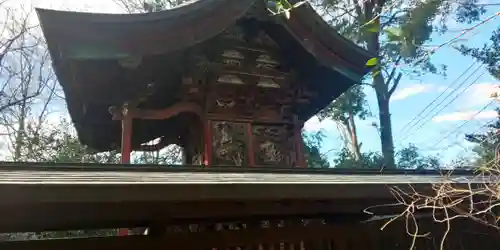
[
  {"x": 126, "y": 150},
  {"x": 163, "y": 114},
  {"x": 299, "y": 145},
  {"x": 208, "y": 143},
  {"x": 249, "y": 119}
]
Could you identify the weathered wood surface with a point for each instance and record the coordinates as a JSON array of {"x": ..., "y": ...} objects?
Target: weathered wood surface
[
  {"x": 185, "y": 240},
  {"x": 99, "y": 177},
  {"x": 39, "y": 216},
  {"x": 311, "y": 235},
  {"x": 39, "y": 197},
  {"x": 40, "y": 173},
  {"x": 97, "y": 184}
]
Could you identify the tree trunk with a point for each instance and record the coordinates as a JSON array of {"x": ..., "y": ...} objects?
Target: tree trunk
[
  {"x": 386, "y": 140},
  {"x": 21, "y": 129},
  {"x": 354, "y": 137},
  {"x": 381, "y": 87}
]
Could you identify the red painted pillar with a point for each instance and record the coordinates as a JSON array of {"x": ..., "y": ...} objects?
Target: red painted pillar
[
  {"x": 208, "y": 143},
  {"x": 122, "y": 231},
  {"x": 251, "y": 148},
  {"x": 299, "y": 146},
  {"x": 126, "y": 150}
]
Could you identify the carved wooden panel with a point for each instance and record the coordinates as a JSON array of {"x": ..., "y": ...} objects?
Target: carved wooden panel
[
  {"x": 229, "y": 143},
  {"x": 268, "y": 83},
  {"x": 269, "y": 103},
  {"x": 232, "y": 58},
  {"x": 228, "y": 100},
  {"x": 266, "y": 61},
  {"x": 273, "y": 145},
  {"x": 242, "y": 78},
  {"x": 230, "y": 79}
]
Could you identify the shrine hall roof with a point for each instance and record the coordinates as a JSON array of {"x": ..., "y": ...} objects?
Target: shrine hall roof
[{"x": 85, "y": 49}]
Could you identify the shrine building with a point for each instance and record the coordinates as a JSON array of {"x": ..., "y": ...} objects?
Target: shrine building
[{"x": 226, "y": 80}]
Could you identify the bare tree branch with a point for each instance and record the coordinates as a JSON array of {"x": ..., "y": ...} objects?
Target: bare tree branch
[
  {"x": 476, "y": 199},
  {"x": 15, "y": 40}
]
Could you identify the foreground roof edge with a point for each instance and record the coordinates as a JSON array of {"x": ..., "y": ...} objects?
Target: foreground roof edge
[{"x": 53, "y": 166}]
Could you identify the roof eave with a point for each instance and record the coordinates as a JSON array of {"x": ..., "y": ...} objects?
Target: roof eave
[{"x": 326, "y": 36}]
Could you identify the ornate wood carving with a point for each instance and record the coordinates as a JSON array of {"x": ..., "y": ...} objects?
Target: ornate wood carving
[
  {"x": 229, "y": 101},
  {"x": 225, "y": 103},
  {"x": 231, "y": 79},
  {"x": 229, "y": 143},
  {"x": 232, "y": 58},
  {"x": 234, "y": 54},
  {"x": 266, "y": 61},
  {"x": 268, "y": 83},
  {"x": 240, "y": 83},
  {"x": 272, "y": 145}
]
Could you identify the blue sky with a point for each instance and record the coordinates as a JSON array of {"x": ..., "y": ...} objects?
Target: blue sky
[{"x": 413, "y": 96}]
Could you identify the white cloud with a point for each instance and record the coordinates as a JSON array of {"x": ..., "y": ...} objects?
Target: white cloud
[
  {"x": 412, "y": 89},
  {"x": 465, "y": 116},
  {"x": 475, "y": 96},
  {"x": 480, "y": 94},
  {"x": 4, "y": 143},
  {"x": 97, "y": 6},
  {"x": 485, "y": 1},
  {"x": 314, "y": 124},
  {"x": 20, "y": 9}
]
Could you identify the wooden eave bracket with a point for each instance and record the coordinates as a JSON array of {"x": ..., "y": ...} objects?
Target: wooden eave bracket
[{"x": 161, "y": 114}]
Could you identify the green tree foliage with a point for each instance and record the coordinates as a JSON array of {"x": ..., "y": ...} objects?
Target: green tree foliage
[
  {"x": 411, "y": 158},
  {"x": 370, "y": 160},
  {"x": 488, "y": 144},
  {"x": 312, "y": 146},
  {"x": 470, "y": 12},
  {"x": 406, "y": 158},
  {"x": 394, "y": 31},
  {"x": 489, "y": 54},
  {"x": 344, "y": 110},
  {"x": 59, "y": 144},
  {"x": 156, "y": 5}
]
